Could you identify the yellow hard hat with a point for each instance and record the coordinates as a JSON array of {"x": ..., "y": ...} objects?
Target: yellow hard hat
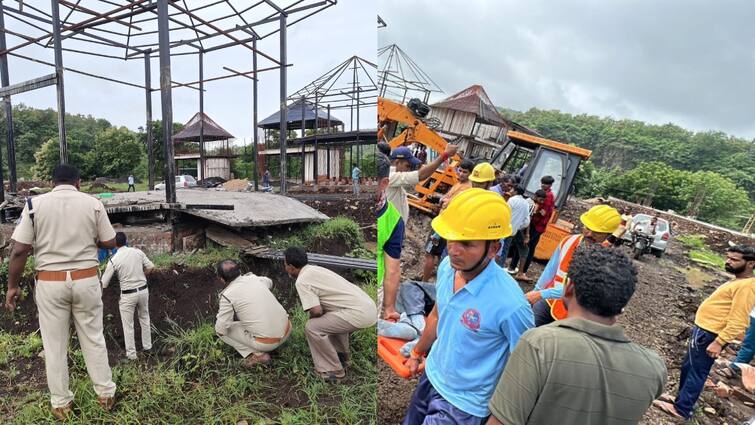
[
  {"x": 601, "y": 219},
  {"x": 482, "y": 172},
  {"x": 474, "y": 215}
]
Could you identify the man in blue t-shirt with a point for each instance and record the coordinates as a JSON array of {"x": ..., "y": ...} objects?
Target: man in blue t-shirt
[
  {"x": 356, "y": 176},
  {"x": 479, "y": 315}
]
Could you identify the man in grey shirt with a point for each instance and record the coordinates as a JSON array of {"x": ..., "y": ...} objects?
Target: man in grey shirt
[{"x": 582, "y": 370}]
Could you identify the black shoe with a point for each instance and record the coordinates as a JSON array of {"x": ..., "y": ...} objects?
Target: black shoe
[{"x": 343, "y": 358}]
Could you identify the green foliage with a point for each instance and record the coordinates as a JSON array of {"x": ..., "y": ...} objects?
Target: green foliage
[
  {"x": 339, "y": 229},
  {"x": 709, "y": 175},
  {"x": 14, "y": 346},
  {"x": 700, "y": 253},
  {"x": 115, "y": 153},
  {"x": 200, "y": 259}
]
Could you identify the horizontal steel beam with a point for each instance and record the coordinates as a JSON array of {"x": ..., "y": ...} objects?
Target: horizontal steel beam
[{"x": 29, "y": 85}]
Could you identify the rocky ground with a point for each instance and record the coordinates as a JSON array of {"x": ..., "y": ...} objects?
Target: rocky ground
[{"x": 659, "y": 316}]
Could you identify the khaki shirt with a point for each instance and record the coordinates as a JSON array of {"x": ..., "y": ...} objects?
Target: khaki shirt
[
  {"x": 67, "y": 225},
  {"x": 577, "y": 372},
  {"x": 320, "y": 286},
  {"x": 259, "y": 312},
  {"x": 130, "y": 264},
  {"x": 398, "y": 182}
]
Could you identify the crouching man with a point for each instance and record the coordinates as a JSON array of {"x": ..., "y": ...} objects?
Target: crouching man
[
  {"x": 336, "y": 308},
  {"x": 250, "y": 318}
]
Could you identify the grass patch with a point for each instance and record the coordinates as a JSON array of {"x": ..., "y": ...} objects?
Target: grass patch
[
  {"x": 699, "y": 252},
  {"x": 340, "y": 229},
  {"x": 199, "y": 259},
  {"x": 201, "y": 382}
]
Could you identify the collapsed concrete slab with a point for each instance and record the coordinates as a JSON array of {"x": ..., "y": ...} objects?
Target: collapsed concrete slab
[{"x": 250, "y": 209}]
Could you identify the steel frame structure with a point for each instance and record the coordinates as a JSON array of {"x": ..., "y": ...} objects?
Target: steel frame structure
[
  {"x": 142, "y": 30},
  {"x": 399, "y": 76},
  {"x": 349, "y": 85}
]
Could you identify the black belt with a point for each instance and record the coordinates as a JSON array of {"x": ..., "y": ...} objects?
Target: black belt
[{"x": 131, "y": 291}]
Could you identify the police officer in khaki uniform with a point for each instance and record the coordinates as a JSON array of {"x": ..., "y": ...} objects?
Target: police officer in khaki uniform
[
  {"x": 336, "y": 308},
  {"x": 132, "y": 266},
  {"x": 260, "y": 324},
  {"x": 65, "y": 227}
]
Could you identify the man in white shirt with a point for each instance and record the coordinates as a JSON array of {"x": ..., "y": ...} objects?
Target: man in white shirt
[
  {"x": 520, "y": 223},
  {"x": 403, "y": 177},
  {"x": 131, "y": 265},
  {"x": 250, "y": 318}
]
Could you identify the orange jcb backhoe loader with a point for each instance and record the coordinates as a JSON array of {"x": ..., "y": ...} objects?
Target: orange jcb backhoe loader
[
  {"x": 403, "y": 125},
  {"x": 543, "y": 157}
]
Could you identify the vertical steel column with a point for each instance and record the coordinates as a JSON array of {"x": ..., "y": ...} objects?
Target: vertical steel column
[
  {"x": 59, "y": 73},
  {"x": 150, "y": 143},
  {"x": 303, "y": 152},
  {"x": 8, "y": 118},
  {"x": 359, "y": 145},
  {"x": 254, "y": 117},
  {"x": 315, "y": 157},
  {"x": 201, "y": 116},
  {"x": 328, "y": 159},
  {"x": 166, "y": 100},
  {"x": 283, "y": 108}
]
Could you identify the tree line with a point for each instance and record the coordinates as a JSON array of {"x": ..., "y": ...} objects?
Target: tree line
[{"x": 709, "y": 175}]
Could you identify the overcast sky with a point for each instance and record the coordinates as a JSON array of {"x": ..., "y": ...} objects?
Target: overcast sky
[
  {"x": 315, "y": 45},
  {"x": 690, "y": 62}
]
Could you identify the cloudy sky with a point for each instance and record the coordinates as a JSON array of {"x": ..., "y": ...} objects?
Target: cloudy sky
[
  {"x": 315, "y": 45},
  {"x": 690, "y": 62}
]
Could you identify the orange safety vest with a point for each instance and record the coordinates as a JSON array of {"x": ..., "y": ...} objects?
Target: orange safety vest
[{"x": 567, "y": 248}]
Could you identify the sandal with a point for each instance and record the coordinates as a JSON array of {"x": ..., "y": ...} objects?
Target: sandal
[
  {"x": 253, "y": 360},
  {"x": 62, "y": 413},
  {"x": 668, "y": 398},
  {"x": 667, "y": 408}
]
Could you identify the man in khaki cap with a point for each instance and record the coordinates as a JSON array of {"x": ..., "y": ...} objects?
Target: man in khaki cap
[
  {"x": 336, "y": 308},
  {"x": 65, "y": 227},
  {"x": 261, "y": 324},
  {"x": 131, "y": 265}
]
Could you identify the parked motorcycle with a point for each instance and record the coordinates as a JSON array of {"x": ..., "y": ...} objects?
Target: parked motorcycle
[{"x": 641, "y": 244}]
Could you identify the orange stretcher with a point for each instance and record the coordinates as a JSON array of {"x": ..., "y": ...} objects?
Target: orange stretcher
[{"x": 389, "y": 349}]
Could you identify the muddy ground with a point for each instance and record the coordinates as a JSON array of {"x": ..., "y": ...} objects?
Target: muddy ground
[
  {"x": 659, "y": 317},
  {"x": 358, "y": 208}
]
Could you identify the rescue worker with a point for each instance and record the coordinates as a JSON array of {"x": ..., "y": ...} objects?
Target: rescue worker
[
  {"x": 390, "y": 231},
  {"x": 479, "y": 315},
  {"x": 65, "y": 227},
  {"x": 435, "y": 245},
  {"x": 132, "y": 267},
  {"x": 616, "y": 239},
  {"x": 547, "y": 305},
  {"x": 250, "y": 318},
  {"x": 336, "y": 308},
  {"x": 483, "y": 176},
  {"x": 403, "y": 176}
]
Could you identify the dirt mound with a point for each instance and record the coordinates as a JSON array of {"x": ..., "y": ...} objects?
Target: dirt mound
[
  {"x": 236, "y": 185},
  {"x": 359, "y": 209}
]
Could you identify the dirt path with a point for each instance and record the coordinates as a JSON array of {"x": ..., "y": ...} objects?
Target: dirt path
[{"x": 658, "y": 316}]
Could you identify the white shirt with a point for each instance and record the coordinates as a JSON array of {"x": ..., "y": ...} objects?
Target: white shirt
[
  {"x": 520, "y": 213},
  {"x": 398, "y": 182},
  {"x": 129, "y": 263}
]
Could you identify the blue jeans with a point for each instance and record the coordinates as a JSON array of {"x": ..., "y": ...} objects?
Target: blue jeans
[
  {"x": 430, "y": 408},
  {"x": 695, "y": 369},
  {"x": 504, "y": 251},
  {"x": 747, "y": 350}
]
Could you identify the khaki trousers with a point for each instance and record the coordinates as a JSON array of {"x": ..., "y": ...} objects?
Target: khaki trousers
[
  {"x": 56, "y": 303},
  {"x": 243, "y": 341},
  {"x": 138, "y": 301},
  {"x": 327, "y": 336}
]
